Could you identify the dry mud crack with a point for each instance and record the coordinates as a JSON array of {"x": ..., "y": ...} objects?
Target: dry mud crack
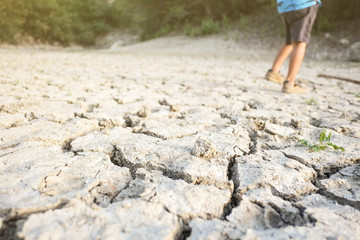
[{"x": 147, "y": 142}]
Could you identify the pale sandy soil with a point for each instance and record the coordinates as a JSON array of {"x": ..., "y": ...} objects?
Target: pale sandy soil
[{"x": 175, "y": 138}]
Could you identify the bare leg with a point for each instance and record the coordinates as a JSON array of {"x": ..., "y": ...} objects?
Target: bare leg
[
  {"x": 283, "y": 53},
  {"x": 296, "y": 60}
]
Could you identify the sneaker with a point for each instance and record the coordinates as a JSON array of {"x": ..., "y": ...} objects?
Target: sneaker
[
  {"x": 274, "y": 77},
  {"x": 291, "y": 87}
]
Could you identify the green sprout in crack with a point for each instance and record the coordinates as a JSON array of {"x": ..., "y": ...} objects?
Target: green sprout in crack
[
  {"x": 15, "y": 83},
  {"x": 357, "y": 95},
  {"x": 324, "y": 143},
  {"x": 311, "y": 102}
]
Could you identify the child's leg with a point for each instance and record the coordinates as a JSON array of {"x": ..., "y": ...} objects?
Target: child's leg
[
  {"x": 296, "y": 60},
  {"x": 283, "y": 53}
]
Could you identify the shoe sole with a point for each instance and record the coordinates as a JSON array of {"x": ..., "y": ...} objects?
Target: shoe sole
[
  {"x": 271, "y": 79},
  {"x": 294, "y": 92}
]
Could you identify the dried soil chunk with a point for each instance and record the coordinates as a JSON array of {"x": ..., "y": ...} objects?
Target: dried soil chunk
[
  {"x": 344, "y": 186},
  {"x": 203, "y": 148},
  {"x": 181, "y": 198},
  {"x": 285, "y": 176},
  {"x": 144, "y": 220}
]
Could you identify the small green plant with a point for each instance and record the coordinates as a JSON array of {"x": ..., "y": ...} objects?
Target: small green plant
[
  {"x": 226, "y": 22},
  {"x": 325, "y": 23},
  {"x": 191, "y": 31},
  {"x": 237, "y": 37},
  {"x": 324, "y": 143},
  {"x": 311, "y": 102},
  {"x": 243, "y": 23},
  {"x": 357, "y": 95},
  {"x": 263, "y": 32},
  {"x": 163, "y": 31},
  {"x": 15, "y": 83},
  {"x": 308, "y": 65},
  {"x": 209, "y": 26}
]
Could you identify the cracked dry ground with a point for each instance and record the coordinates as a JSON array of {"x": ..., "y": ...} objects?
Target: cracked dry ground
[{"x": 146, "y": 145}]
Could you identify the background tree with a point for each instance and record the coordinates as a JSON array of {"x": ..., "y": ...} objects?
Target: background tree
[{"x": 82, "y": 21}]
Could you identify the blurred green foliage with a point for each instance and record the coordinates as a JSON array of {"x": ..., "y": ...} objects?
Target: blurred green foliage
[
  {"x": 63, "y": 21},
  {"x": 195, "y": 17},
  {"x": 208, "y": 26},
  {"x": 81, "y": 21}
]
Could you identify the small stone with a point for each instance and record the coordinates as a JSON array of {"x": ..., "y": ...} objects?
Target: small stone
[
  {"x": 30, "y": 116},
  {"x": 146, "y": 192},
  {"x": 346, "y": 115},
  {"x": 295, "y": 124},
  {"x": 246, "y": 107},
  {"x": 144, "y": 112},
  {"x": 260, "y": 125},
  {"x": 132, "y": 121},
  {"x": 91, "y": 107},
  {"x": 345, "y": 42},
  {"x": 118, "y": 101},
  {"x": 327, "y": 35},
  {"x": 253, "y": 104},
  {"x": 355, "y": 52},
  {"x": 174, "y": 107},
  {"x": 106, "y": 123},
  {"x": 203, "y": 148},
  {"x": 164, "y": 102}
]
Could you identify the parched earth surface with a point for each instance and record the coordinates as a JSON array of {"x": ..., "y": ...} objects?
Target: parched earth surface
[{"x": 175, "y": 139}]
